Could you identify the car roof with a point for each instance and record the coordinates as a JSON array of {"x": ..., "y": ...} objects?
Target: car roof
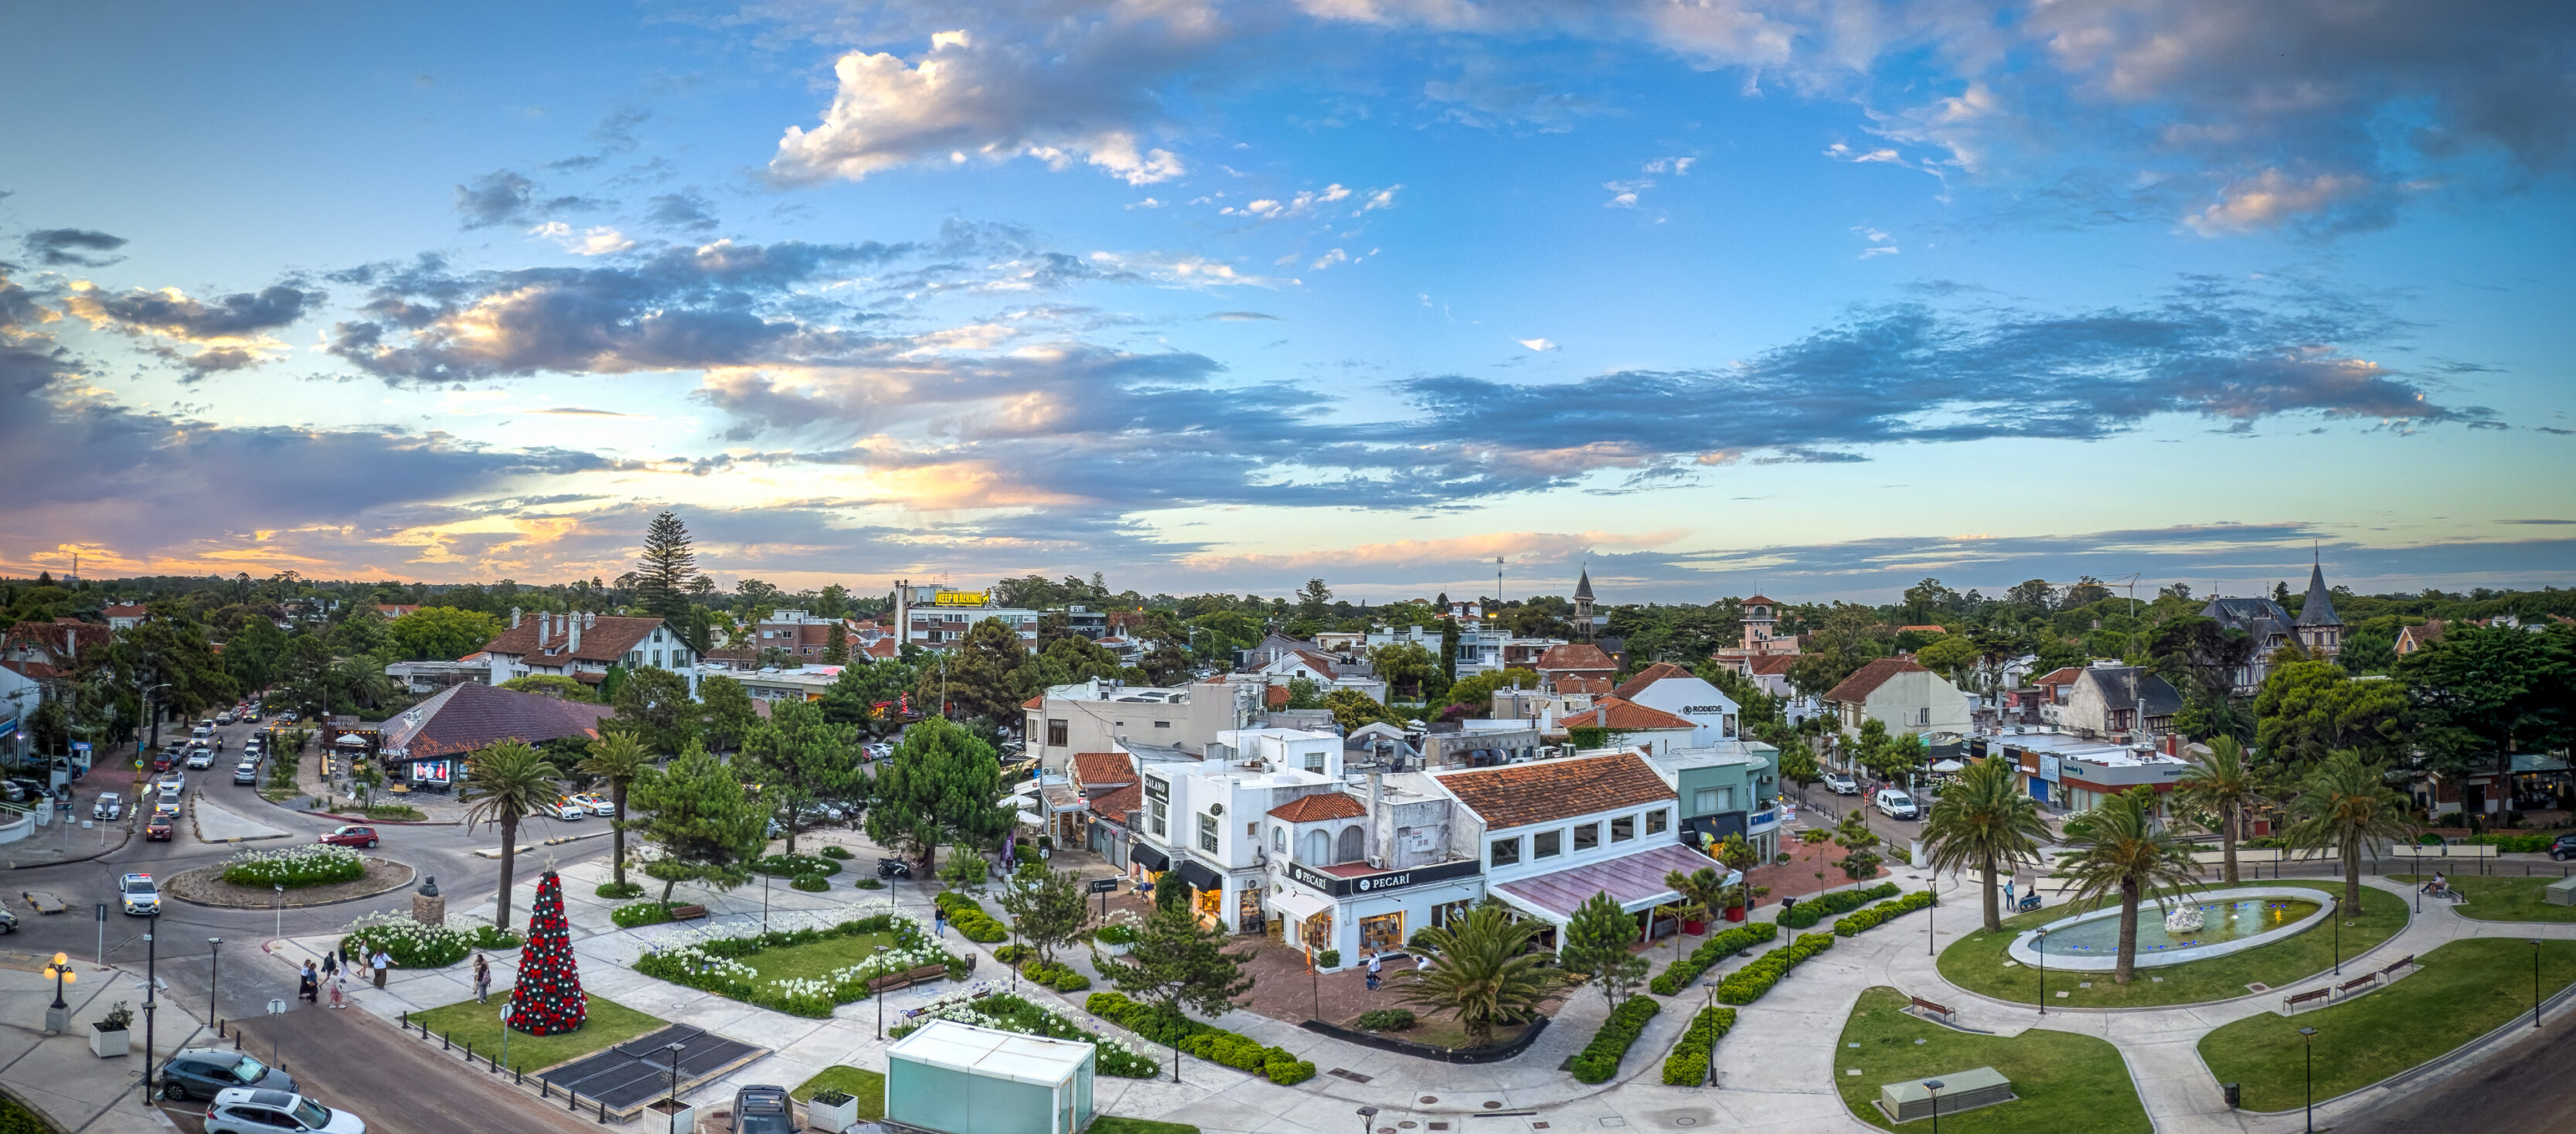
[{"x": 254, "y": 1096}]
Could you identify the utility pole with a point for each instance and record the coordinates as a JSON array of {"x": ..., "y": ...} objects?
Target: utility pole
[{"x": 151, "y": 966}]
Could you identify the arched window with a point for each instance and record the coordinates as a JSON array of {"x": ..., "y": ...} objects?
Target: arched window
[
  {"x": 1319, "y": 849},
  {"x": 1354, "y": 845}
]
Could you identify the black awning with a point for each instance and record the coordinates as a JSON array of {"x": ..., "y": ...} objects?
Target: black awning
[
  {"x": 1200, "y": 877},
  {"x": 1717, "y": 827},
  {"x": 1150, "y": 858}
]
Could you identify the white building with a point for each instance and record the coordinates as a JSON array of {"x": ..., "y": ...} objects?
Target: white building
[
  {"x": 1672, "y": 689},
  {"x": 583, "y": 646},
  {"x": 1101, "y": 716},
  {"x": 1551, "y": 834},
  {"x": 1201, "y": 823}
]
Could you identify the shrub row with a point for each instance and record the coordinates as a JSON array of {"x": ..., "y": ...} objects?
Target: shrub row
[
  {"x": 1240, "y": 1052},
  {"x": 2513, "y": 844},
  {"x": 1747, "y": 984},
  {"x": 1872, "y": 917},
  {"x": 811, "y": 883},
  {"x": 836, "y": 850},
  {"x": 1599, "y": 1060},
  {"x": 1687, "y": 1066},
  {"x": 1008, "y": 1013},
  {"x": 1822, "y": 906},
  {"x": 612, "y": 890},
  {"x": 1014, "y": 954},
  {"x": 413, "y": 945},
  {"x": 1056, "y": 975},
  {"x": 794, "y": 865},
  {"x": 969, "y": 917},
  {"x": 711, "y": 962},
  {"x": 1385, "y": 1020},
  {"x": 1718, "y": 947}
]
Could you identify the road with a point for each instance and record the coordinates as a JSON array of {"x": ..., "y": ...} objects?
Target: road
[{"x": 2524, "y": 1088}]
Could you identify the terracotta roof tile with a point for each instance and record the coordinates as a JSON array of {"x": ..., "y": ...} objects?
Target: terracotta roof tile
[
  {"x": 1521, "y": 794},
  {"x": 1118, "y": 804},
  {"x": 1277, "y": 697},
  {"x": 1648, "y": 676},
  {"x": 1590, "y": 686},
  {"x": 1318, "y": 807},
  {"x": 1866, "y": 680},
  {"x": 1317, "y": 662},
  {"x": 607, "y": 640},
  {"x": 1579, "y": 655},
  {"x": 1103, "y": 769},
  {"x": 1758, "y": 600},
  {"x": 1774, "y": 665},
  {"x": 1619, "y": 713},
  {"x": 1927, "y": 628},
  {"x": 1035, "y": 701}
]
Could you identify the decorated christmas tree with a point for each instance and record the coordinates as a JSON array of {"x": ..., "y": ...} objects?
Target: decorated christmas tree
[{"x": 548, "y": 999}]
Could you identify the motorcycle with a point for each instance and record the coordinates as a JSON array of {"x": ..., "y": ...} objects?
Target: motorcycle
[{"x": 893, "y": 868}]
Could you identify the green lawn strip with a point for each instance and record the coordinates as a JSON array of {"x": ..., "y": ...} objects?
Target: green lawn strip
[
  {"x": 608, "y": 1024},
  {"x": 858, "y": 1082},
  {"x": 1110, "y": 1124},
  {"x": 2064, "y": 1081},
  {"x": 2500, "y": 899},
  {"x": 815, "y": 959},
  {"x": 1977, "y": 962},
  {"x": 2465, "y": 990}
]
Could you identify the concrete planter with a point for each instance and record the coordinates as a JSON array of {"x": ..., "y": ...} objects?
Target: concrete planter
[
  {"x": 682, "y": 1119},
  {"x": 107, "y": 1044},
  {"x": 832, "y": 1116}
]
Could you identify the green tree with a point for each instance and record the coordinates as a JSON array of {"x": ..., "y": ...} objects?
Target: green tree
[
  {"x": 939, "y": 787},
  {"x": 975, "y": 679},
  {"x": 304, "y": 673},
  {"x": 2118, "y": 849},
  {"x": 836, "y": 644},
  {"x": 2343, "y": 804},
  {"x": 1305, "y": 693},
  {"x": 862, "y": 686},
  {"x": 667, "y": 570},
  {"x": 2485, "y": 693},
  {"x": 252, "y": 653},
  {"x": 1352, "y": 709},
  {"x": 441, "y": 633},
  {"x": 2308, "y": 709},
  {"x": 1483, "y": 972},
  {"x": 965, "y": 868},
  {"x": 1596, "y": 943},
  {"x": 548, "y": 685},
  {"x": 171, "y": 647},
  {"x": 1476, "y": 691},
  {"x": 1409, "y": 669},
  {"x": 1703, "y": 891},
  {"x": 708, "y": 826},
  {"x": 2225, "y": 784},
  {"x": 1177, "y": 965},
  {"x": 1315, "y": 600},
  {"x": 726, "y": 711},
  {"x": 1952, "y": 656},
  {"x": 621, "y": 760},
  {"x": 654, "y": 705},
  {"x": 1046, "y": 906},
  {"x": 801, "y": 759},
  {"x": 1983, "y": 821},
  {"x": 504, "y": 783}
]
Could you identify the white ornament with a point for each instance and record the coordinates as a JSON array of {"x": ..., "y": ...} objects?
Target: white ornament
[{"x": 2184, "y": 919}]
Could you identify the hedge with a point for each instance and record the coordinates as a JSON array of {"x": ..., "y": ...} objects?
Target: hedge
[
  {"x": 1385, "y": 1020},
  {"x": 1747, "y": 984},
  {"x": 1599, "y": 1060},
  {"x": 1060, "y": 977},
  {"x": 794, "y": 865},
  {"x": 640, "y": 913},
  {"x": 2512, "y": 844},
  {"x": 1687, "y": 1066},
  {"x": 1005, "y": 1012},
  {"x": 1678, "y": 975},
  {"x": 1822, "y": 906},
  {"x": 1238, "y": 1051},
  {"x": 836, "y": 850},
  {"x": 811, "y": 883},
  {"x": 314, "y": 864},
  {"x": 1875, "y": 915}
]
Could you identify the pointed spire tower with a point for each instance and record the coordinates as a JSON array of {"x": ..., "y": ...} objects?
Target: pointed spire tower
[
  {"x": 1583, "y": 604},
  {"x": 2319, "y": 631}
]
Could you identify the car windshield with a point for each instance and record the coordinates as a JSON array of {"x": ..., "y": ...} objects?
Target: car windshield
[
  {"x": 766, "y": 1124},
  {"x": 138, "y": 886},
  {"x": 312, "y": 1114},
  {"x": 250, "y": 1070}
]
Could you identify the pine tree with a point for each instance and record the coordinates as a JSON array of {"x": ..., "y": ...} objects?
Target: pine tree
[
  {"x": 669, "y": 565},
  {"x": 836, "y": 645},
  {"x": 548, "y": 1000}
]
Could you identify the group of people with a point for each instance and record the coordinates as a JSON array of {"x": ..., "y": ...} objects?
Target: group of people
[{"x": 333, "y": 971}]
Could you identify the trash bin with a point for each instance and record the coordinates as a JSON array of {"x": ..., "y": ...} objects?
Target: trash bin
[{"x": 2235, "y": 1094}]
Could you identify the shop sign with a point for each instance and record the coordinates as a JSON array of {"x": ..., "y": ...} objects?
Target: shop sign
[
  {"x": 429, "y": 771},
  {"x": 2048, "y": 767},
  {"x": 1380, "y": 883},
  {"x": 958, "y": 598}
]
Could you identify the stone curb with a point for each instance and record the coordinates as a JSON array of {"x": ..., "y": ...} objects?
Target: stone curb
[{"x": 407, "y": 880}]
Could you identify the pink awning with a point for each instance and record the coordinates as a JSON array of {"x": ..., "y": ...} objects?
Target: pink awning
[{"x": 1635, "y": 881}]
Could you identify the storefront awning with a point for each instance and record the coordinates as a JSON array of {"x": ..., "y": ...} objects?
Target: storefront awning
[
  {"x": 1031, "y": 818},
  {"x": 1298, "y": 906},
  {"x": 1145, "y": 855},
  {"x": 1635, "y": 881},
  {"x": 1199, "y": 876}
]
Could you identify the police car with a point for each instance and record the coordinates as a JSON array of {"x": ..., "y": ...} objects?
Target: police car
[{"x": 142, "y": 898}]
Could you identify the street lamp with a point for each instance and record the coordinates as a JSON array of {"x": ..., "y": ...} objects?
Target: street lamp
[
  {"x": 1934, "y": 1086},
  {"x": 1712, "y": 1043},
  {"x": 2310, "y": 1036},
  {"x": 61, "y": 971},
  {"x": 879, "y": 994},
  {"x": 2039, "y": 945},
  {"x": 214, "y": 973},
  {"x": 1933, "y": 889},
  {"x": 1314, "y": 981},
  {"x": 2338, "y": 934},
  {"x": 1366, "y": 1113},
  {"x": 674, "y": 1049},
  {"x": 2535, "y": 984}
]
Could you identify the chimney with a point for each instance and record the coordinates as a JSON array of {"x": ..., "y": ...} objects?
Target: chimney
[
  {"x": 514, "y": 618},
  {"x": 590, "y": 619},
  {"x": 1377, "y": 795},
  {"x": 573, "y": 622}
]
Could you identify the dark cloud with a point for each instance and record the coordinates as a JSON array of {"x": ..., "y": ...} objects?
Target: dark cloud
[
  {"x": 503, "y": 197},
  {"x": 73, "y": 247},
  {"x": 685, "y": 211},
  {"x": 179, "y": 316}
]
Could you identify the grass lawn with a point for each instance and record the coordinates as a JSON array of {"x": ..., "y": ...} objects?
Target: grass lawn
[
  {"x": 2065, "y": 1082},
  {"x": 1978, "y": 961},
  {"x": 858, "y": 1082},
  {"x": 2465, "y": 990},
  {"x": 1107, "y": 1124},
  {"x": 815, "y": 959},
  {"x": 2501, "y": 899},
  {"x": 608, "y": 1024}
]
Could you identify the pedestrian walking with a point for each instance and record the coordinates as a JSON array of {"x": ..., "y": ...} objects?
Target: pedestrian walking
[
  {"x": 307, "y": 983},
  {"x": 380, "y": 962},
  {"x": 330, "y": 965},
  {"x": 1372, "y": 972},
  {"x": 939, "y": 920},
  {"x": 338, "y": 984},
  {"x": 482, "y": 978}
]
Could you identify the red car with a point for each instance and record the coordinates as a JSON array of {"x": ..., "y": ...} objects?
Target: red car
[
  {"x": 352, "y": 837},
  {"x": 158, "y": 827}
]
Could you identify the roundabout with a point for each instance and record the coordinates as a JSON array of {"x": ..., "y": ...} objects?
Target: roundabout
[{"x": 2203, "y": 925}]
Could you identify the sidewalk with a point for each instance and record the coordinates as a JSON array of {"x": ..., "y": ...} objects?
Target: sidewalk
[{"x": 58, "y": 1076}]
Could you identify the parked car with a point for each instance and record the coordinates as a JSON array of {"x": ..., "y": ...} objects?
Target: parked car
[
  {"x": 8, "y": 921},
  {"x": 762, "y": 1109},
  {"x": 110, "y": 805},
  {"x": 245, "y": 1111},
  {"x": 2563, "y": 848},
  {"x": 598, "y": 804},
  {"x": 204, "y": 1072},
  {"x": 1893, "y": 803},
  {"x": 160, "y": 826},
  {"x": 223, "y": 718},
  {"x": 201, "y": 758},
  {"x": 1841, "y": 784},
  {"x": 141, "y": 896},
  {"x": 562, "y": 809},
  {"x": 246, "y": 772},
  {"x": 351, "y": 836},
  {"x": 31, "y": 788}
]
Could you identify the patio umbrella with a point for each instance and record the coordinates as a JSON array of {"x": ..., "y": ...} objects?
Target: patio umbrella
[
  {"x": 1947, "y": 766},
  {"x": 352, "y": 740}
]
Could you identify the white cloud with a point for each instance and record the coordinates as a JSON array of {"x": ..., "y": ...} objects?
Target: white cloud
[
  {"x": 1307, "y": 201},
  {"x": 1677, "y": 166},
  {"x": 2273, "y": 199},
  {"x": 1537, "y": 344},
  {"x": 1880, "y": 243},
  {"x": 1624, "y": 193},
  {"x": 1328, "y": 259},
  {"x": 599, "y": 240},
  {"x": 1382, "y": 199}
]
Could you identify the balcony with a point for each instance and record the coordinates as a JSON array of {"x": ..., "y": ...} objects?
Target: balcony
[{"x": 1763, "y": 821}]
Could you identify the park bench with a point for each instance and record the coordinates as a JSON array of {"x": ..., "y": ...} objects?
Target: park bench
[
  {"x": 2357, "y": 982},
  {"x": 1929, "y": 1006},
  {"x": 907, "y": 978},
  {"x": 2402, "y": 962},
  {"x": 688, "y": 913},
  {"x": 2289, "y": 1003}
]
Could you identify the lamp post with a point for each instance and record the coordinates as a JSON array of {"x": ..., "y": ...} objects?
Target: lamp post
[
  {"x": 1314, "y": 981},
  {"x": 2535, "y": 985},
  {"x": 1931, "y": 888},
  {"x": 57, "y": 1015},
  {"x": 1934, "y": 1086},
  {"x": 2309, "y": 1035},
  {"x": 2039, "y": 945},
  {"x": 674, "y": 1049},
  {"x": 214, "y": 974},
  {"x": 1712, "y": 1045},
  {"x": 879, "y": 994},
  {"x": 2419, "y": 881},
  {"x": 1366, "y": 1114},
  {"x": 151, "y": 968},
  {"x": 2338, "y": 934}
]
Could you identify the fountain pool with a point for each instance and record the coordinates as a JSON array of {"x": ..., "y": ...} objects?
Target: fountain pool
[{"x": 2233, "y": 921}]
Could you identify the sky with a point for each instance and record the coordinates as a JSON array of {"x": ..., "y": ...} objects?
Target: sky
[{"x": 1815, "y": 298}]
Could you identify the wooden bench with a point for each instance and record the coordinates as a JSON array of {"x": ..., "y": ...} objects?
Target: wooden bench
[
  {"x": 2402, "y": 962},
  {"x": 688, "y": 913},
  {"x": 2357, "y": 982},
  {"x": 2290, "y": 1002},
  {"x": 907, "y": 978},
  {"x": 1929, "y": 1006}
]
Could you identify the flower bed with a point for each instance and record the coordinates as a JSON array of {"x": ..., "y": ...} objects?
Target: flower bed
[
  {"x": 1678, "y": 975},
  {"x": 633, "y": 914},
  {"x": 1822, "y": 906},
  {"x": 315, "y": 864},
  {"x": 969, "y": 917},
  {"x": 1599, "y": 1060},
  {"x": 1005, "y": 1012},
  {"x": 1687, "y": 1066},
  {"x": 794, "y": 865},
  {"x": 1205, "y": 1041},
  {"x": 416, "y": 946},
  {"x": 1747, "y": 984},
  {"x": 810, "y": 883},
  {"x": 711, "y": 960},
  {"x": 1878, "y": 914},
  {"x": 836, "y": 850}
]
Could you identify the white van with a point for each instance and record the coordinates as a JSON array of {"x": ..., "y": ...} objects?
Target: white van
[{"x": 1893, "y": 803}]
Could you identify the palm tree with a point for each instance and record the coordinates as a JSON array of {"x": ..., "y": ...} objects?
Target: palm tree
[
  {"x": 1982, "y": 821},
  {"x": 2226, "y": 784},
  {"x": 2120, "y": 848},
  {"x": 1702, "y": 890},
  {"x": 502, "y": 784},
  {"x": 1483, "y": 971},
  {"x": 2343, "y": 804},
  {"x": 620, "y": 758}
]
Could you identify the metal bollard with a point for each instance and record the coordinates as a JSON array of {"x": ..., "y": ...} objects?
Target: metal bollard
[
  {"x": 573, "y": 1095},
  {"x": 603, "y": 1112},
  {"x": 237, "y": 1040},
  {"x": 520, "y": 1078},
  {"x": 469, "y": 1051},
  {"x": 543, "y": 1090},
  {"x": 442, "y": 1042}
]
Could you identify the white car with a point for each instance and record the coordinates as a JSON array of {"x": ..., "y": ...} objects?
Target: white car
[
  {"x": 142, "y": 898},
  {"x": 201, "y": 758},
  {"x": 598, "y": 804},
  {"x": 1841, "y": 784},
  {"x": 242, "y": 1110},
  {"x": 1894, "y": 804},
  {"x": 562, "y": 809}
]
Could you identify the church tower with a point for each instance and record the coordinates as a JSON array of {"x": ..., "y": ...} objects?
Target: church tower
[
  {"x": 2319, "y": 631},
  {"x": 1583, "y": 605}
]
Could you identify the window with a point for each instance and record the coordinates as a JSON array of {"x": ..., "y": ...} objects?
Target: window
[
  {"x": 1319, "y": 849},
  {"x": 1708, "y": 801},
  {"x": 1158, "y": 806},
  {"x": 1505, "y": 852},
  {"x": 1623, "y": 828},
  {"x": 1923, "y": 716},
  {"x": 1315, "y": 761},
  {"x": 1354, "y": 845},
  {"x": 1547, "y": 844},
  {"x": 657, "y": 657},
  {"x": 1252, "y": 831},
  {"x": 1057, "y": 733},
  {"x": 1658, "y": 821},
  {"x": 1162, "y": 724},
  {"x": 1207, "y": 833},
  {"x": 1279, "y": 839}
]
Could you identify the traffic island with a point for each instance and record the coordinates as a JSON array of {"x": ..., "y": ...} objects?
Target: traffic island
[
  {"x": 205, "y": 886},
  {"x": 467, "y": 1024},
  {"x": 2458, "y": 994},
  {"x": 2061, "y": 1081},
  {"x": 1981, "y": 961}
]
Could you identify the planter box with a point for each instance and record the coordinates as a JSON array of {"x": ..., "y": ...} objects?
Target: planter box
[
  {"x": 1108, "y": 950},
  {"x": 1734, "y": 913},
  {"x": 108, "y": 1044},
  {"x": 835, "y": 1117},
  {"x": 683, "y": 1120},
  {"x": 1694, "y": 928}
]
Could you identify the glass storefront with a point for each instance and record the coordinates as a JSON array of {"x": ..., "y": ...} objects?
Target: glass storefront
[
  {"x": 1317, "y": 932},
  {"x": 1382, "y": 933},
  {"x": 1210, "y": 905},
  {"x": 1248, "y": 917},
  {"x": 1447, "y": 912}
]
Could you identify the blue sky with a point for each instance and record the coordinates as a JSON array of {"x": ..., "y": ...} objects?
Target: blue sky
[{"x": 1814, "y": 298}]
